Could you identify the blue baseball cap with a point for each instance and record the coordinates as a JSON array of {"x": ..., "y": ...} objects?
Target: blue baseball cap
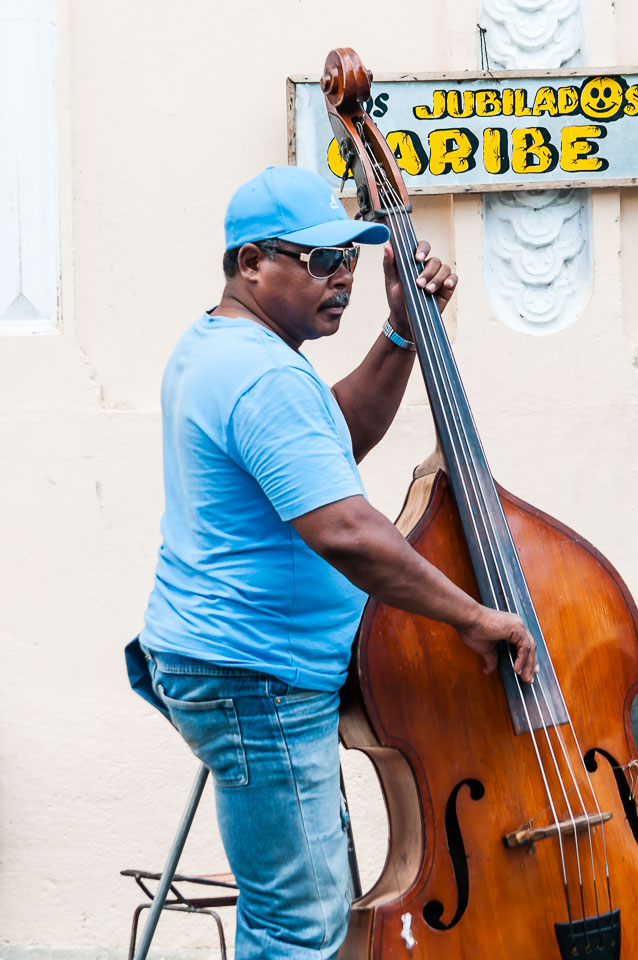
[{"x": 293, "y": 204}]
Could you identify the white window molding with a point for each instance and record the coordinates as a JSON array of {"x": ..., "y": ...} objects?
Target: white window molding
[{"x": 29, "y": 209}]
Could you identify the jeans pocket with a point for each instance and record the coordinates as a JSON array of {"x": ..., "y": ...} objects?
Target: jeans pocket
[
  {"x": 285, "y": 693},
  {"x": 211, "y": 729},
  {"x": 296, "y": 695}
]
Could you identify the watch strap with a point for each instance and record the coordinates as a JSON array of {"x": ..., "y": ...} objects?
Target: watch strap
[{"x": 396, "y": 338}]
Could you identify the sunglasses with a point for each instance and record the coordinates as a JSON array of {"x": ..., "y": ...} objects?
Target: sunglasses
[{"x": 322, "y": 262}]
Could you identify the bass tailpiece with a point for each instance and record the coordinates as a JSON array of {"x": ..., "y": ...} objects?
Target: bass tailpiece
[{"x": 597, "y": 937}]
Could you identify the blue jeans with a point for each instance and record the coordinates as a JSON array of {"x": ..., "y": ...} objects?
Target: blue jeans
[{"x": 273, "y": 753}]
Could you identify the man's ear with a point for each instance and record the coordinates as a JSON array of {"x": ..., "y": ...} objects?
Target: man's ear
[{"x": 249, "y": 260}]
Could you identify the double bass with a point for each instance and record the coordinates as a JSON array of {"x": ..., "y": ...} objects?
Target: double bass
[{"x": 513, "y": 829}]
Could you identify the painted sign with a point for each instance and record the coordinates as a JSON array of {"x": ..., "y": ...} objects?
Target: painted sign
[{"x": 486, "y": 131}]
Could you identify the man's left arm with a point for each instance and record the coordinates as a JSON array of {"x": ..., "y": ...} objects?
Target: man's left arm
[{"x": 369, "y": 397}]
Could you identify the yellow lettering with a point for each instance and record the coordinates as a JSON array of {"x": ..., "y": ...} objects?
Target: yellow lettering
[
  {"x": 507, "y": 99},
  {"x": 452, "y": 150},
  {"x": 495, "y": 150},
  {"x": 408, "y": 153},
  {"x": 545, "y": 102},
  {"x": 576, "y": 147},
  {"x": 631, "y": 100},
  {"x": 424, "y": 112},
  {"x": 520, "y": 104},
  {"x": 568, "y": 98},
  {"x": 532, "y": 151},
  {"x": 488, "y": 103},
  {"x": 454, "y": 108},
  {"x": 335, "y": 161}
]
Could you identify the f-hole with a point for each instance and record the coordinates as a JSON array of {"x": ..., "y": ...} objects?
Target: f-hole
[
  {"x": 434, "y": 909},
  {"x": 624, "y": 790}
]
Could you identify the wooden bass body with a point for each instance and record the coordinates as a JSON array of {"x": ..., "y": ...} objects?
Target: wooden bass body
[{"x": 457, "y": 780}]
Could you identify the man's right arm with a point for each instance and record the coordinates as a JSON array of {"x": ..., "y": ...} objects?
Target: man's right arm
[{"x": 366, "y": 548}]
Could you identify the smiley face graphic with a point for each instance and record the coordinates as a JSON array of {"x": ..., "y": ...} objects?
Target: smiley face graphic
[{"x": 601, "y": 98}]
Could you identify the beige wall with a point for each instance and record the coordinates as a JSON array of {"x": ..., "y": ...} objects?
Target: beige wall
[{"x": 163, "y": 109}]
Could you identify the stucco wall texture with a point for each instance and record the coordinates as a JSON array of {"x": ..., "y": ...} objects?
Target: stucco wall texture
[{"x": 163, "y": 109}]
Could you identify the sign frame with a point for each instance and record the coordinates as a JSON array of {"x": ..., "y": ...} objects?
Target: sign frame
[{"x": 487, "y": 75}]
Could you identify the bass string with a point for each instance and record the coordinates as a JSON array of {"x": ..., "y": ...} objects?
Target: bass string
[
  {"x": 401, "y": 240},
  {"x": 596, "y": 803},
  {"x": 567, "y": 803},
  {"x": 568, "y": 762},
  {"x": 513, "y": 605},
  {"x": 557, "y": 728},
  {"x": 539, "y": 760},
  {"x": 468, "y": 458},
  {"x": 563, "y": 748},
  {"x": 403, "y": 237},
  {"x": 565, "y": 752}
]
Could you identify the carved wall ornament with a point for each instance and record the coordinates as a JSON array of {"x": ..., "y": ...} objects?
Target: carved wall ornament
[
  {"x": 537, "y": 244},
  {"x": 531, "y": 34},
  {"x": 537, "y": 258}
]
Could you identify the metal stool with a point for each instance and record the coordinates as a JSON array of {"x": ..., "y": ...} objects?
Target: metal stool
[
  {"x": 225, "y": 884},
  {"x": 186, "y": 904},
  {"x": 228, "y": 892}
]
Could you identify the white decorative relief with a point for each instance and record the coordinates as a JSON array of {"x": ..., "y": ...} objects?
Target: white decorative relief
[
  {"x": 538, "y": 250},
  {"x": 532, "y": 34},
  {"x": 537, "y": 256},
  {"x": 29, "y": 222}
]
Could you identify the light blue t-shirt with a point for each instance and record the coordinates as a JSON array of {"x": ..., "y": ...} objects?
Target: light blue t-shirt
[{"x": 252, "y": 439}]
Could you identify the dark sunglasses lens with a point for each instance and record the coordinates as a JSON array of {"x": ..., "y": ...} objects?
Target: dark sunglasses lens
[{"x": 325, "y": 261}]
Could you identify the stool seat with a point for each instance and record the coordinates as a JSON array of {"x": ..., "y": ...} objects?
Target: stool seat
[{"x": 210, "y": 879}]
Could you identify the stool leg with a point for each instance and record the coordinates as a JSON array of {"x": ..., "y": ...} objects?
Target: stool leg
[
  {"x": 136, "y": 920},
  {"x": 220, "y": 931},
  {"x": 353, "y": 863},
  {"x": 171, "y": 863}
]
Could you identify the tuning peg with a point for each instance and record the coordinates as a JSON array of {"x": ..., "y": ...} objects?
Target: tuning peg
[{"x": 328, "y": 82}]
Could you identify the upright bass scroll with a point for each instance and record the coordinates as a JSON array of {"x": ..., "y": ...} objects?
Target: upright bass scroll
[
  {"x": 475, "y": 768},
  {"x": 346, "y": 85}
]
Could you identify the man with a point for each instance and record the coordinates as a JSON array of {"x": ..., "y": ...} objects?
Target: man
[{"x": 270, "y": 548}]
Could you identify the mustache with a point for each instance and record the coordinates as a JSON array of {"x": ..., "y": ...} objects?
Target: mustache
[{"x": 341, "y": 299}]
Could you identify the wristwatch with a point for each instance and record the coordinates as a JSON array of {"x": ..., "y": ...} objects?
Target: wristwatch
[{"x": 396, "y": 338}]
